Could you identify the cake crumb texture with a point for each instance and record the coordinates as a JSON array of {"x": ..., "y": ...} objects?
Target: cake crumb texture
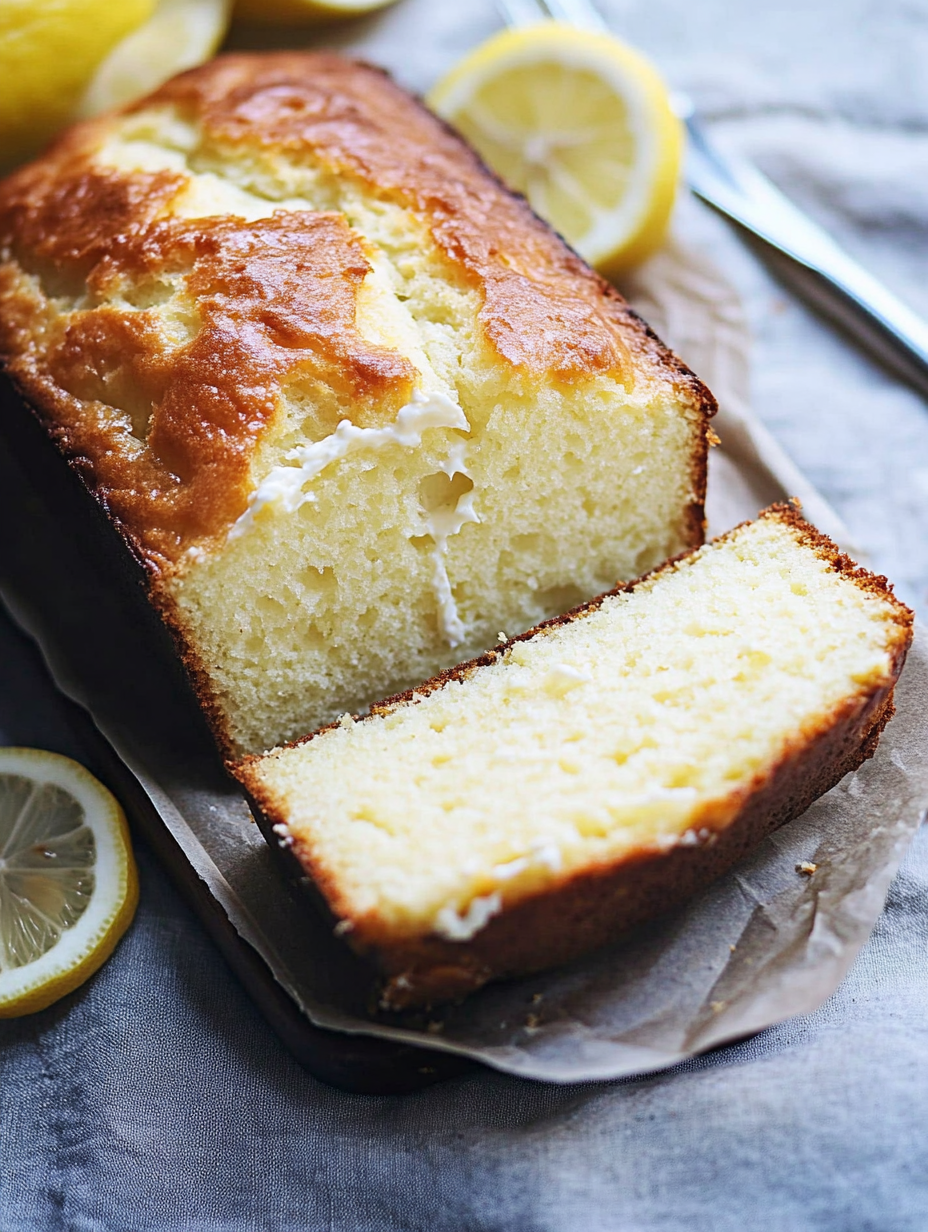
[{"x": 643, "y": 727}]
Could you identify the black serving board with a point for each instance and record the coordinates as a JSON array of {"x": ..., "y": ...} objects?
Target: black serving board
[{"x": 68, "y": 578}]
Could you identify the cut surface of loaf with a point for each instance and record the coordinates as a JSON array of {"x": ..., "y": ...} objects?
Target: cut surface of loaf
[
  {"x": 529, "y": 805},
  {"x": 352, "y": 405}
]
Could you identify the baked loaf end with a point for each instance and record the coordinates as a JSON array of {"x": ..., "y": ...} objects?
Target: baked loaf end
[
  {"x": 351, "y": 404},
  {"x": 525, "y": 807}
]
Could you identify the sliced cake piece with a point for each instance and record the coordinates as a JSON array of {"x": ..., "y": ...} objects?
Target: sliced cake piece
[{"x": 592, "y": 773}]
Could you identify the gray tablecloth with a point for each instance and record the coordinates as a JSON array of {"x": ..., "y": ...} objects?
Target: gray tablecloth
[{"x": 156, "y": 1098}]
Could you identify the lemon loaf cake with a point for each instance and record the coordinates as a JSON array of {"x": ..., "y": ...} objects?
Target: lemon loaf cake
[
  {"x": 353, "y": 407},
  {"x": 524, "y": 807}
]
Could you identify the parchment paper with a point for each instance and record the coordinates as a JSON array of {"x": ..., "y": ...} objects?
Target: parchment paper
[{"x": 764, "y": 943}]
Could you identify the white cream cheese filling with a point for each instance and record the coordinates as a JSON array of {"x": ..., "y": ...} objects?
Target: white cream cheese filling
[
  {"x": 453, "y": 926},
  {"x": 441, "y": 524},
  {"x": 462, "y": 924},
  {"x": 286, "y": 485}
]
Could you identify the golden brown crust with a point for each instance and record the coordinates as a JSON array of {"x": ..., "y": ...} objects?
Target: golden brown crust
[
  {"x": 596, "y": 904},
  {"x": 544, "y": 308},
  {"x": 163, "y": 429},
  {"x": 275, "y": 302}
]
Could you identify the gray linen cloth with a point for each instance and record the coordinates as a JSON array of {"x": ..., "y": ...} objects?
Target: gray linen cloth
[{"x": 156, "y": 1097}]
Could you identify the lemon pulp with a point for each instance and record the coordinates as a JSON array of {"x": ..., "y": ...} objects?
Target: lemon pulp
[
  {"x": 180, "y": 34},
  {"x": 68, "y": 884},
  {"x": 46, "y": 868},
  {"x": 582, "y": 125}
]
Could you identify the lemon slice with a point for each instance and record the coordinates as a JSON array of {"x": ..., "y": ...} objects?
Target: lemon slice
[
  {"x": 48, "y": 53},
  {"x": 580, "y": 124},
  {"x": 180, "y": 34},
  {"x": 300, "y": 12},
  {"x": 68, "y": 884}
]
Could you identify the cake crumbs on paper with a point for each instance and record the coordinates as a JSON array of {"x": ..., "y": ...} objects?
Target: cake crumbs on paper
[{"x": 807, "y": 868}]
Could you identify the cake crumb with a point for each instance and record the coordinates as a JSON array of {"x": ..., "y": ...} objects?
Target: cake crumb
[
  {"x": 342, "y": 927},
  {"x": 501, "y": 637},
  {"x": 347, "y": 720},
  {"x": 717, "y": 1006},
  {"x": 562, "y": 679},
  {"x": 733, "y": 948},
  {"x": 807, "y": 868},
  {"x": 713, "y": 438}
]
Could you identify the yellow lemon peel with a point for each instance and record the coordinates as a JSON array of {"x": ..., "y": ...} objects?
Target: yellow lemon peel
[
  {"x": 581, "y": 124},
  {"x": 68, "y": 881}
]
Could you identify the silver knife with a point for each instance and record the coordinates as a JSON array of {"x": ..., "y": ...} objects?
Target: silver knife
[{"x": 825, "y": 274}]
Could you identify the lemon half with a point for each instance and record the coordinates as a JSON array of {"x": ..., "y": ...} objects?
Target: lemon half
[
  {"x": 180, "y": 34},
  {"x": 303, "y": 12},
  {"x": 68, "y": 882},
  {"x": 48, "y": 52},
  {"x": 582, "y": 125}
]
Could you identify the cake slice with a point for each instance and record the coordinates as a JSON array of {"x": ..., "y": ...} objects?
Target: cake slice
[
  {"x": 592, "y": 773},
  {"x": 352, "y": 406}
]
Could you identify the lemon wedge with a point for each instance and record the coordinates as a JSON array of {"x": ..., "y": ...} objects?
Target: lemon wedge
[
  {"x": 582, "y": 125},
  {"x": 48, "y": 53},
  {"x": 180, "y": 34},
  {"x": 303, "y": 12},
  {"x": 68, "y": 883}
]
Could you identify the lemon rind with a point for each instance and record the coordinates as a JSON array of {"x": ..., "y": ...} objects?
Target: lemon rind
[
  {"x": 191, "y": 29},
  {"x": 641, "y": 222},
  {"x": 85, "y": 947},
  {"x": 308, "y": 12}
]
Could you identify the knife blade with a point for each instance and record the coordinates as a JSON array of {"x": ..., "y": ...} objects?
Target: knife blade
[{"x": 824, "y": 273}]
